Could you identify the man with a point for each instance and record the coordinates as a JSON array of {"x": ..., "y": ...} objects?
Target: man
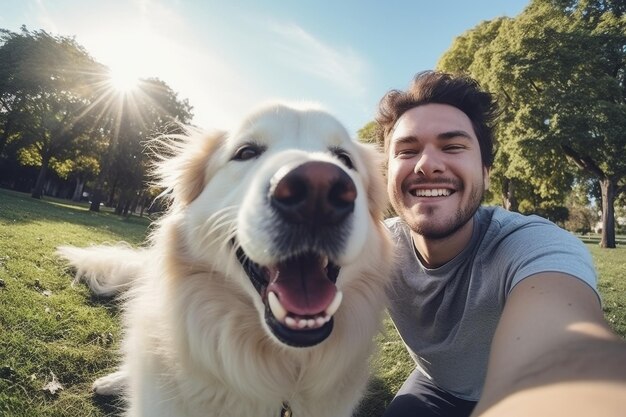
[{"x": 492, "y": 305}]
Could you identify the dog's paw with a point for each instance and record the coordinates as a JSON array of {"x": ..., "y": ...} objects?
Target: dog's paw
[{"x": 112, "y": 384}]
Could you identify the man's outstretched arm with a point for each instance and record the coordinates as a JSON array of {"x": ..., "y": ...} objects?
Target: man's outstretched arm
[{"x": 553, "y": 354}]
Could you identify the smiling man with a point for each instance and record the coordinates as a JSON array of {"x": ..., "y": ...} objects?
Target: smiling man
[{"x": 492, "y": 305}]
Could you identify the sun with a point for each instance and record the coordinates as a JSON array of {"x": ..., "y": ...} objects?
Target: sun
[{"x": 123, "y": 80}]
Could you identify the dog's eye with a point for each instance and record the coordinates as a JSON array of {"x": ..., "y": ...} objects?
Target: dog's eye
[
  {"x": 345, "y": 159},
  {"x": 247, "y": 151}
]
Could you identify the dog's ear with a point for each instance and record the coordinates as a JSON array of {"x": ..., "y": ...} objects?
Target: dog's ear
[
  {"x": 375, "y": 180},
  {"x": 184, "y": 171}
]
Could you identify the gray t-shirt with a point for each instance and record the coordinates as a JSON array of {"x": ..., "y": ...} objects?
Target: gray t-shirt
[{"x": 447, "y": 316}]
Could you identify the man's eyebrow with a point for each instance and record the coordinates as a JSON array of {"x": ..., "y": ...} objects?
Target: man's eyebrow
[
  {"x": 442, "y": 136},
  {"x": 454, "y": 134},
  {"x": 405, "y": 139}
]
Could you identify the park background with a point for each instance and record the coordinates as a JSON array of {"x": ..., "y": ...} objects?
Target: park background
[{"x": 74, "y": 163}]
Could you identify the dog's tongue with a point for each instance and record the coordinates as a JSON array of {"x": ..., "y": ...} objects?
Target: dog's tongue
[{"x": 302, "y": 285}]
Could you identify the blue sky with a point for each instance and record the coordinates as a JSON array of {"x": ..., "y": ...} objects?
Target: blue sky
[{"x": 228, "y": 56}]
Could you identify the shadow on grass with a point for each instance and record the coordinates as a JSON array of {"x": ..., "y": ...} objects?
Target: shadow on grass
[
  {"x": 110, "y": 405},
  {"x": 112, "y": 304},
  {"x": 376, "y": 399}
]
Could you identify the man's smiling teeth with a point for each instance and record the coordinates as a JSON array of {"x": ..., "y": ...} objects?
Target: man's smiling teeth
[
  {"x": 303, "y": 322},
  {"x": 436, "y": 192}
]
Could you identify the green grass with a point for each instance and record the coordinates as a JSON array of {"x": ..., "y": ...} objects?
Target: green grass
[
  {"x": 48, "y": 326},
  {"x": 594, "y": 238},
  {"x": 611, "y": 266}
]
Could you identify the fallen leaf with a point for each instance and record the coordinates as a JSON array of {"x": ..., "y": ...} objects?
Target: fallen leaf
[{"x": 53, "y": 386}]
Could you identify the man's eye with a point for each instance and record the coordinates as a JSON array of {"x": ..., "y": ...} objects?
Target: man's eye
[
  {"x": 406, "y": 153},
  {"x": 247, "y": 151},
  {"x": 453, "y": 148}
]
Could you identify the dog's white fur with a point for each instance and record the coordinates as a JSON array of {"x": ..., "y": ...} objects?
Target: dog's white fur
[{"x": 196, "y": 343}]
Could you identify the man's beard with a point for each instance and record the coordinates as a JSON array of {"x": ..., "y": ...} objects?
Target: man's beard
[{"x": 460, "y": 219}]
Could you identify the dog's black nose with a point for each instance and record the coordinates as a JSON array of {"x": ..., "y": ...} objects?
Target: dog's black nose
[{"x": 316, "y": 193}]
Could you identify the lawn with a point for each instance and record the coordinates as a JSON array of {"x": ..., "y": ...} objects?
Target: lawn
[
  {"x": 51, "y": 331},
  {"x": 53, "y": 334}
]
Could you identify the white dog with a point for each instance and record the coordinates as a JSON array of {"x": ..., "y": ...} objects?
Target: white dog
[{"x": 263, "y": 286}]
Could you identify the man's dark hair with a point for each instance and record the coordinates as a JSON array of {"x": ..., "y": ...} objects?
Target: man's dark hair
[{"x": 460, "y": 91}]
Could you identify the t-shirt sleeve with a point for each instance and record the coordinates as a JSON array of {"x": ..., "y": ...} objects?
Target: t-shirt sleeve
[{"x": 542, "y": 246}]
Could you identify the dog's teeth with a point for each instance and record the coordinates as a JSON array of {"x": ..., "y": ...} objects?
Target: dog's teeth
[
  {"x": 277, "y": 308},
  {"x": 324, "y": 261},
  {"x": 295, "y": 322},
  {"x": 334, "y": 305}
]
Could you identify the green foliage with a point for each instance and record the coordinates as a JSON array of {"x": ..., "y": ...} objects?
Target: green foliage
[
  {"x": 461, "y": 55},
  {"x": 370, "y": 133},
  {"x": 582, "y": 215},
  {"x": 85, "y": 165},
  {"x": 59, "y": 111},
  {"x": 62, "y": 168},
  {"x": 45, "y": 85},
  {"x": 29, "y": 156}
]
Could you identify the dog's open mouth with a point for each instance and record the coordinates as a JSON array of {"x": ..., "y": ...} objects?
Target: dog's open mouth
[{"x": 299, "y": 294}]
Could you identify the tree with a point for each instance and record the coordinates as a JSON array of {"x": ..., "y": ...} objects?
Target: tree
[
  {"x": 60, "y": 111},
  {"x": 151, "y": 109},
  {"x": 559, "y": 68},
  {"x": 369, "y": 133},
  {"x": 583, "y": 215},
  {"x": 45, "y": 86}
]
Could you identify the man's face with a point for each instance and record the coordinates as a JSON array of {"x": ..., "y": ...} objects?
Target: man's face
[{"x": 436, "y": 178}]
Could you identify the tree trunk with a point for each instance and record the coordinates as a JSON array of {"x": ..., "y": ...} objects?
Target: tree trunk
[
  {"x": 41, "y": 178},
  {"x": 6, "y": 132},
  {"x": 78, "y": 189},
  {"x": 111, "y": 200},
  {"x": 136, "y": 201},
  {"x": 607, "y": 185},
  {"x": 126, "y": 211},
  {"x": 145, "y": 203},
  {"x": 3, "y": 140},
  {"x": 508, "y": 195},
  {"x": 119, "y": 207},
  {"x": 96, "y": 197}
]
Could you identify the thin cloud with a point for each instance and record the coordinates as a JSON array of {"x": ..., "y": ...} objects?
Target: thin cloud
[
  {"x": 152, "y": 38},
  {"x": 44, "y": 19},
  {"x": 342, "y": 67}
]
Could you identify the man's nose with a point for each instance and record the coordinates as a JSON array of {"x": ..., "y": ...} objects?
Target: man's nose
[{"x": 430, "y": 162}]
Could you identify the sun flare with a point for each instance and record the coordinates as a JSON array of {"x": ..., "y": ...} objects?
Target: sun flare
[{"x": 123, "y": 81}]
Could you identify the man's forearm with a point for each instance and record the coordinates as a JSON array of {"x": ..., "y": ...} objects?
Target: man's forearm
[{"x": 583, "y": 380}]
